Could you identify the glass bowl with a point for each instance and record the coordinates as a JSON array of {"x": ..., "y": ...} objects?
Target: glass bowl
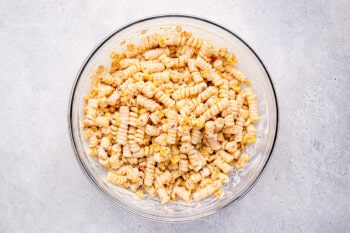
[{"x": 241, "y": 181}]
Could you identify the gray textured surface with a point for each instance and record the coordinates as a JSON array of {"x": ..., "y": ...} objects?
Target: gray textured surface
[{"x": 306, "y": 48}]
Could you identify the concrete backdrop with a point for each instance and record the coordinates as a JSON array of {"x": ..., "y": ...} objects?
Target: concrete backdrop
[{"x": 305, "y": 45}]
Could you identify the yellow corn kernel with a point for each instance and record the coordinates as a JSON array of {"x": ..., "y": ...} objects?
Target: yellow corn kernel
[
  {"x": 205, "y": 153},
  {"x": 94, "y": 128},
  {"x": 131, "y": 47},
  {"x": 161, "y": 42},
  {"x": 165, "y": 142},
  {"x": 146, "y": 77},
  {"x": 164, "y": 151},
  {"x": 107, "y": 114},
  {"x": 199, "y": 124},
  {"x": 185, "y": 127},
  {"x": 100, "y": 69},
  {"x": 245, "y": 158},
  {"x": 247, "y": 83},
  {"x": 155, "y": 147},
  {"x": 169, "y": 91},
  {"x": 94, "y": 91},
  {"x": 251, "y": 139},
  {"x": 160, "y": 113},
  {"x": 93, "y": 152},
  {"x": 85, "y": 111},
  {"x": 140, "y": 194},
  {"x": 87, "y": 133},
  {"x": 174, "y": 159},
  {"x": 135, "y": 180},
  {"x": 142, "y": 110},
  {"x": 114, "y": 55},
  {"x": 117, "y": 121},
  {"x": 231, "y": 61},
  {"x": 124, "y": 94},
  {"x": 165, "y": 121},
  {"x": 145, "y": 141},
  {"x": 217, "y": 100},
  {"x": 157, "y": 83},
  {"x": 219, "y": 193},
  {"x": 205, "y": 74},
  {"x": 236, "y": 88}
]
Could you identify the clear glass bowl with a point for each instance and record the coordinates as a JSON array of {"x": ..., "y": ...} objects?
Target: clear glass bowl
[{"x": 241, "y": 181}]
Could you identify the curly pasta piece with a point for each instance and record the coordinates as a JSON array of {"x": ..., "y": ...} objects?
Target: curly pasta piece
[
  {"x": 127, "y": 62},
  {"x": 207, "y": 191},
  {"x": 163, "y": 195},
  {"x": 153, "y": 54},
  {"x": 116, "y": 179},
  {"x": 189, "y": 91},
  {"x": 216, "y": 109},
  {"x": 172, "y": 131},
  {"x": 182, "y": 193},
  {"x": 149, "y": 173},
  {"x": 253, "y": 106},
  {"x": 123, "y": 126},
  {"x": 237, "y": 74},
  {"x": 147, "y": 103},
  {"x": 202, "y": 64},
  {"x": 164, "y": 98}
]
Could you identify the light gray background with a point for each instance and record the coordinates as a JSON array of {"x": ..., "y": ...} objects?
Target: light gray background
[{"x": 305, "y": 45}]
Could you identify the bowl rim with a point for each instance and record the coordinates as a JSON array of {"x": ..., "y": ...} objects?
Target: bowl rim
[{"x": 86, "y": 170}]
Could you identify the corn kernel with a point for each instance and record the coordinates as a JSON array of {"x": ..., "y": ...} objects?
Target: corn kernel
[
  {"x": 85, "y": 111},
  {"x": 93, "y": 153},
  {"x": 164, "y": 151},
  {"x": 169, "y": 91},
  {"x": 251, "y": 139},
  {"x": 142, "y": 111},
  {"x": 161, "y": 42},
  {"x": 205, "y": 74},
  {"x": 205, "y": 153},
  {"x": 160, "y": 113},
  {"x": 94, "y": 91},
  {"x": 135, "y": 180},
  {"x": 146, "y": 77},
  {"x": 100, "y": 69},
  {"x": 245, "y": 158},
  {"x": 174, "y": 159},
  {"x": 131, "y": 47},
  {"x": 199, "y": 124},
  {"x": 117, "y": 121},
  {"x": 145, "y": 141},
  {"x": 107, "y": 114},
  {"x": 217, "y": 100},
  {"x": 236, "y": 88},
  {"x": 219, "y": 193},
  {"x": 157, "y": 83},
  {"x": 165, "y": 142},
  {"x": 114, "y": 55},
  {"x": 247, "y": 83},
  {"x": 155, "y": 147},
  {"x": 140, "y": 194},
  {"x": 185, "y": 127}
]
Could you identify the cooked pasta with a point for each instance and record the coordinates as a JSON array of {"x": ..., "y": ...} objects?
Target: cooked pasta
[{"x": 171, "y": 117}]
